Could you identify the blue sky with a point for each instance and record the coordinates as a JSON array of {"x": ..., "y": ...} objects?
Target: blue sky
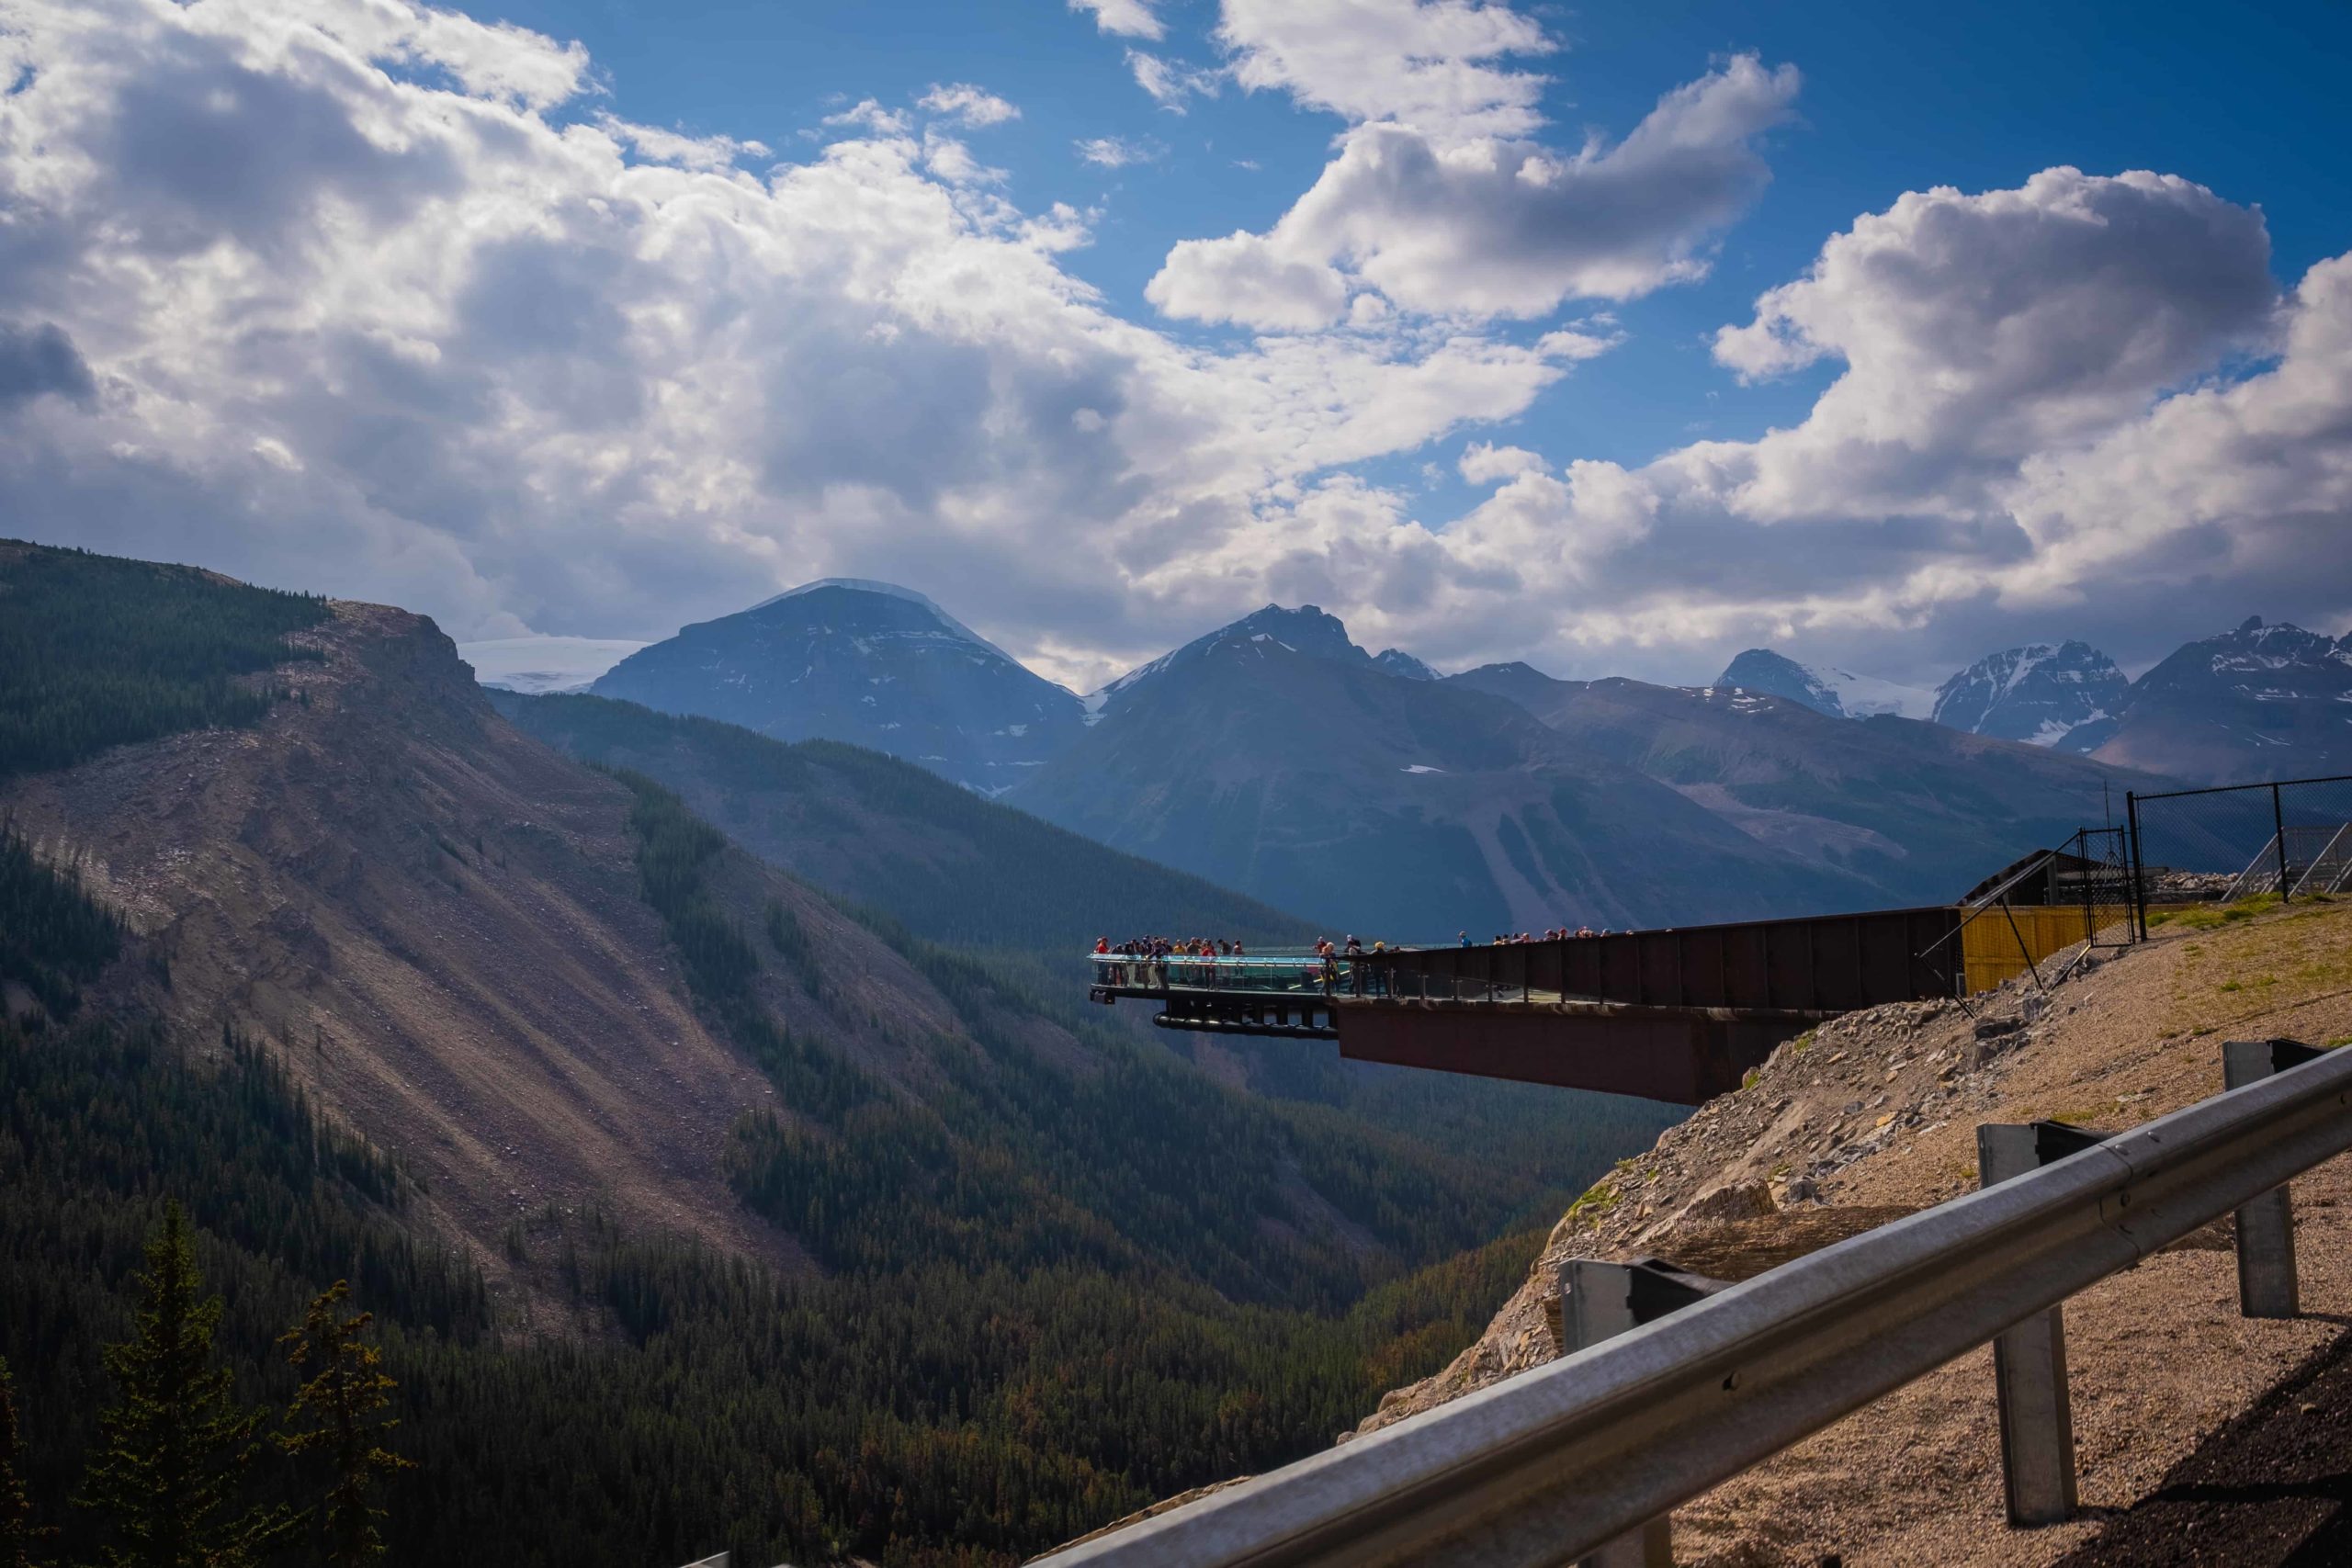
[{"x": 393, "y": 307}]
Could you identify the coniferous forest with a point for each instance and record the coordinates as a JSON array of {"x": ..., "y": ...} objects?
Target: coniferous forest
[{"x": 1029, "y": 1311}]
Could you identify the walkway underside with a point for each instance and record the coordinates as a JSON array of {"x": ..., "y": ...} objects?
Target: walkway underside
[{"x": 1682, "y": 1055}]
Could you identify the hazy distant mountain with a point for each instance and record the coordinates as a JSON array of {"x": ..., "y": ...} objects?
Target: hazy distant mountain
[
  {"x": 1271, "y": 756},
  {"x": 1305, "y": 630},
  {"x": 1823, "y": 688},
  {"x": 538, "y": 664},
  {"x": 2257, "y": 703},
  {"x": 866, "y": 663},
  {"x": 2070, "y": 697},
  {"x": 1920, "y": 811}
]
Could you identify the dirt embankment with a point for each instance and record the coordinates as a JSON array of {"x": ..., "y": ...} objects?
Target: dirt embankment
[
  {"x": 1873, "y": 1116},
  {"x": 436, "y": 920}
]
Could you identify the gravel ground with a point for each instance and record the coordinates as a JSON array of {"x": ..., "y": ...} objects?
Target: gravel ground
[{"x": 1873, "y": 1116}]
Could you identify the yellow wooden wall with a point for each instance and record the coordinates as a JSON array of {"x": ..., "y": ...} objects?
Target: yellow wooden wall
[{"x": 1990, "y": 950}]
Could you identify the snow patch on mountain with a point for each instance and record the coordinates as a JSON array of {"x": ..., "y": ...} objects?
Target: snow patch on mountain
[
  {"x": 2067, "y": 695},
  {"x": 1824, "y": 688}
]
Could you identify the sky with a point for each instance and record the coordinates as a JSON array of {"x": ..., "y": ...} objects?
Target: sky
[{"x": 1613, "y": 339}]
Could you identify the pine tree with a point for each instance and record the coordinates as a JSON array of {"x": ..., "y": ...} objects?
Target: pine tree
[
  {"x": 341, "y": 1404},
  {"x": 17, "y": 1531},
  {"x": 172, "y": 1454}
]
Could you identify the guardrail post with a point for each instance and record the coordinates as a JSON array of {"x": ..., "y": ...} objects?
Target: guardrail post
[
  {"x": 1601, "y": 1301},
  {"x": 2029, "y": 1360},
  {"x": 2266, "y": 1226}
]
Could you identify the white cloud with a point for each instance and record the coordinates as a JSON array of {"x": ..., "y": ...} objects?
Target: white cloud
[
  {"x": 1134, "y": 19},
  {"x": 1116, "y": 151},
  {"x": 1491, "y": 226},
  {"x": 967, "y": 105},
  {"x": 274, "y": 297},
  {"x": 675, "y": 147},
  {"x": 270, "y": 300},
  {"x": 1483, "y": 462},
  {"x": 1170, "y": 84},
  {"x": 949, "y": 159},
  {"x": 1435, "y": 64},
  {"x": 867, "y": 115}
]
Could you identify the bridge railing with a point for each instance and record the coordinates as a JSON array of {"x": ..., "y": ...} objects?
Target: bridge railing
[
  {"x": 1298, "y": 972},
  {"x": 1566, "y": 1458}
]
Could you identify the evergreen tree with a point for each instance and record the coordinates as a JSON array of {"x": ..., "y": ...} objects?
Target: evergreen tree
[
  {"x": 17, "y": 1531},
  {"x": 339, "y": 1407},
  {"x": 172, "y": 1454}
]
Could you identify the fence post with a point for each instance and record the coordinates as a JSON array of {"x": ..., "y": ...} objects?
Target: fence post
[
  {"x": 2278, "y": 820},
  {"x": 2266, "y": 1227},
  {"x": 2029, "y": 1360},
  {"x": 1601, "y": 1301},
  {"x": 2139, "y": 866}
]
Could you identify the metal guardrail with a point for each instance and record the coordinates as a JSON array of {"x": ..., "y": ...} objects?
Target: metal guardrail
[{"x": 1565, "y": 1460}]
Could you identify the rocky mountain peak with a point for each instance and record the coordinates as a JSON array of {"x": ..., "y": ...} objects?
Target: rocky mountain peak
[
  {"x": 1823, "y": 688},
  {"x": 2068, "y": 696}
]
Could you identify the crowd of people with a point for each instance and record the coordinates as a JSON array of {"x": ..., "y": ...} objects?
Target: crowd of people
[
  {"x": 1560, "y": 933},
  {"x": 1153, "y": 963},
  {"x": 1150, "y": 960}
]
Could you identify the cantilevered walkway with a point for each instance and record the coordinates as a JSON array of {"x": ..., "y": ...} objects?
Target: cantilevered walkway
[{"x": 1677, "y": 1015}]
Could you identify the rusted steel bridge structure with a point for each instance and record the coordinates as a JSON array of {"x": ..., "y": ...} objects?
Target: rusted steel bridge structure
[{"x": 1677, "y": 1015}]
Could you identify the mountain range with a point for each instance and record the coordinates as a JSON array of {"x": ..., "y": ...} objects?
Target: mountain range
[
  {"x": 836, "y": 1234},
  {"x": 1277, "y": 757}
]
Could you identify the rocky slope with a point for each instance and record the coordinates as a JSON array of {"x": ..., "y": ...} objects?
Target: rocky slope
[
  {"x": 436, "y": 920},
  {"x": 2069, "y": 696},
  {"x": 2262, "y": 702},
  {"x": 866, "y": 663},
  {"x": 1871, "y": 1116}
]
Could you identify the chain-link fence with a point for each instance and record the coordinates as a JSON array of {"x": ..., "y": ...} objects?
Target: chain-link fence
[{"x": 2292, "y": 837}]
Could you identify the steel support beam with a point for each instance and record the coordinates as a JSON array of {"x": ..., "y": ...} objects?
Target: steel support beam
[
  {"x": 2266, "y": 1226},
  {"x": 1601, "y": 1301},
  {"x": 2036, "y": 1409}
]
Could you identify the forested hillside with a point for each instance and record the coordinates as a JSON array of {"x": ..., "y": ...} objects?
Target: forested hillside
[
  {"x": 953, "y": 868},
  {"x": 96, "y": 652},
  {"x": 697, "y": 1212}
]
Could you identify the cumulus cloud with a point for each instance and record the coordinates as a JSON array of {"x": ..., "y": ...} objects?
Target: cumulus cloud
[
  {"x": 284, "y": 291},
  {"x": 294, "y": 299},
  {"x": 967, "y": 105},
  {"x": 2036, "y": 428},
  {"x": 1439, "y": 221},
  {"x": 1483, "y": 462},
  {"x": 1436, "y": 64},
  {"x": 1134, "y": 19}
]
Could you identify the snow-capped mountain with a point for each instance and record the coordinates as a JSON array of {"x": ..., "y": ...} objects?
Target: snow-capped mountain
[
  {"x": 872, "y": 663},
  {"x": 1823, "y": 688},
  {"x": 2262, "y": 702},
  {"x": 534, "y": 665},
  {"x": 2070, "y": 697}
]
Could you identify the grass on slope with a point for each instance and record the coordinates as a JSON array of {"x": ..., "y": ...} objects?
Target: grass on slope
[{"x": 96, "y": 652}]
